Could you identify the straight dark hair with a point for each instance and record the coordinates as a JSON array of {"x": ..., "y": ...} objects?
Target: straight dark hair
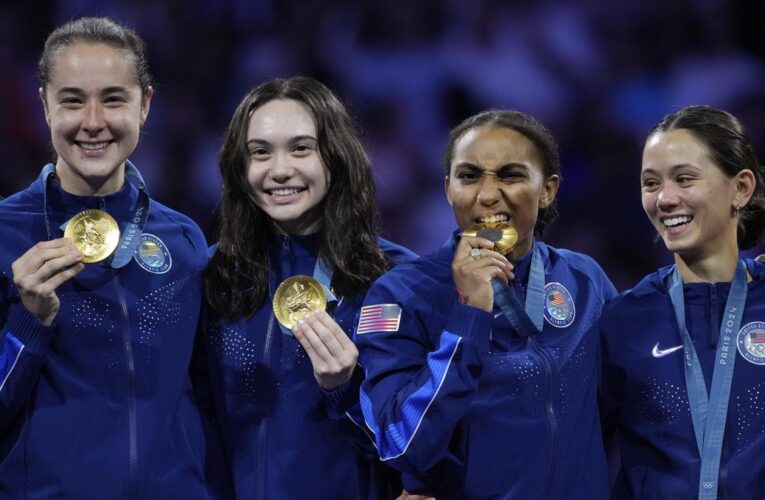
[
  {"x": 236, "y": 280},
  {"x": 95, "y": 30},
  {"x": 732, "y": 151}
]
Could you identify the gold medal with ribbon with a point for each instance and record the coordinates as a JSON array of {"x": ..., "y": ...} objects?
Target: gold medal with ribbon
[
  {"x": 296, "y": 297},
  {"x": 503, "y": 235},
  {"x": 94, "y": 233}
]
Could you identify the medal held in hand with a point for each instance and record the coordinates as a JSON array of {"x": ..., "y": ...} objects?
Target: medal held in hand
[
  {"x": 296, "y": 297},
  {"x": 503, "y": 236},
  {"x": 94, "y": 233}
]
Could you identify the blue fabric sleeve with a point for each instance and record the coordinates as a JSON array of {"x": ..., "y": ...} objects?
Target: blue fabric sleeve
[
  {"x": 341, "y": 399},
  {"x": 416, "y": 390},
  {"x": 23, "y": 344}
]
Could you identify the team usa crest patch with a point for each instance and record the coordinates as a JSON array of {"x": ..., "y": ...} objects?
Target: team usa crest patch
[
  {"x": 751, "y": 342},
  {"x": 559, "y": 305},
  {"x": 379, "y": 318},
  {"x": 152, "y": 254}
]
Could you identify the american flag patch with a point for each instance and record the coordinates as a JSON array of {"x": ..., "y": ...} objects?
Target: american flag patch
[
  {"x": 379, "y": 318},
  {"x": 556, "y": 298},
  {"x": 757, "y": 337}
]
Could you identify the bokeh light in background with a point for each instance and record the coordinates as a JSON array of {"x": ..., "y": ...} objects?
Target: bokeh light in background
[{"x": 599, "y": 74}]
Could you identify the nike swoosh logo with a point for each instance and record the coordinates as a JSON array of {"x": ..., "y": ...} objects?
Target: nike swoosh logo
[
  {"x": 660, "y": 353},
  {"x": 497, "y": 315}
]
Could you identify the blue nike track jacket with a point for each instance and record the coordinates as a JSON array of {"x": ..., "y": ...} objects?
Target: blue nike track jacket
[{"x": 644, "y": 395}]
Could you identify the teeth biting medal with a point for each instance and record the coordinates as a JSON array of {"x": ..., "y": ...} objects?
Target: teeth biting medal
[
  {"x": 94, "y": 233},
  {"x": 503, "y": 236}
]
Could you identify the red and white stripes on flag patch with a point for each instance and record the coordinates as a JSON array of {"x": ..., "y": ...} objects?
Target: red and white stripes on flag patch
[{"x": 379, "y": 318}]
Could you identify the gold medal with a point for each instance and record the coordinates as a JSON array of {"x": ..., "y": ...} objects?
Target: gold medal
[
  {"x": 95, "y": 233},
  {"x": 296, "y": 297},
  {"x": 503, "y": 236}
]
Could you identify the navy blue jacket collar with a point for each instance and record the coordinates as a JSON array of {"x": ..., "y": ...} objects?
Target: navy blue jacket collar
[{"x": 62, "y": 202}]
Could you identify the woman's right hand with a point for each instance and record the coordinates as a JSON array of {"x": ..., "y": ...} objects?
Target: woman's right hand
[
  {"x": 40, "y": 271},
  {"x": 473, "y": 274}
]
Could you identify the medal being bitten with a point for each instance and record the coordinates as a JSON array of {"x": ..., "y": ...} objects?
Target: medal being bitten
[
  {"x": 296, "y": 297},
  {"x": 503, "y": 235},
  {"x": 94, "y": 233}
]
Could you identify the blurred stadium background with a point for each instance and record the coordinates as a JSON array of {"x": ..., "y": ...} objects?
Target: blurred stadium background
[{"x": 599, "y": 74}]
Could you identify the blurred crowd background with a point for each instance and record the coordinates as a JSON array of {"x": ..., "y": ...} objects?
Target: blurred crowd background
[{"x": 599, "y": 74}]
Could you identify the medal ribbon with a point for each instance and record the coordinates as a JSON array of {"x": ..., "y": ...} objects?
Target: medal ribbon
[
  {"x": 710, "y": 428},
  {"x": 131, "y": 235},
  {"x": 526, "y": 320},
  {"x": 322, "y": 272}
]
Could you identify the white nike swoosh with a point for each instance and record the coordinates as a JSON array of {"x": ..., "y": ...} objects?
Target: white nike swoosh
[
  {"x": 497, "y": 315},
  {"x": 660, "y": 353}
]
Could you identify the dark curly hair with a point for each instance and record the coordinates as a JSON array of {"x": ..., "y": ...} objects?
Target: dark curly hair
[
  {"x": 236, "y": 279},
  {"x": 530, "y": 128},
  {"x": 732, "y": 151}
]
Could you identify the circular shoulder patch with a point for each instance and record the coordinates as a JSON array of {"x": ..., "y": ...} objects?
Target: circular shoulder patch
[
  {"x": 559, "y": 305},
  {"x": 152, "y": 254},
  {"x": 751, "y": 342}
]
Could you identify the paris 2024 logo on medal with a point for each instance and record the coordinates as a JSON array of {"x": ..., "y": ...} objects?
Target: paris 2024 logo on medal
[
  {"x": 152, "y": 254},
  {"x": 751, "y": 342},
  {"x": 559, "y": 305}
]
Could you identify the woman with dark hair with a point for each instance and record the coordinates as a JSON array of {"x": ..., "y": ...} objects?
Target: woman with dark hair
[
  {"x": 689, "y": 425},
  {"x": 298, "y": 202},
  {"x": 485, "y": 384},
  {"x": 100, "y": 291}
]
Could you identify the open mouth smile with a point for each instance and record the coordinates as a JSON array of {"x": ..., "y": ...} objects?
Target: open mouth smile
[
  {"x": 676, "y": 221},
  {"x": 284, "y": 191}
]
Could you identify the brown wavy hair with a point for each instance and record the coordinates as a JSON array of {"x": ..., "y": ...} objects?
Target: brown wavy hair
[{"x": 236, "y": 279}]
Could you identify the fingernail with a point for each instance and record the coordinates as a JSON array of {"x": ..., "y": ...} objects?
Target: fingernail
[{"x": 301, "y": 321}]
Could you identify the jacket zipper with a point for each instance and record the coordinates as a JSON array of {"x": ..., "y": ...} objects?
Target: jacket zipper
[
  {"x": 260, "y": 464},
  {"x": 132, "y": 412},
  {"x": 260, "y": 475},
  {"x": 552, "y": 422}
]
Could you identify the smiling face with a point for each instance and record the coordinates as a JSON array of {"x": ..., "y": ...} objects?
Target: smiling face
[
  {"x": 286, "y": 173},
  {"x": 496, "y": 175},
  {"x": 687, "y": 197},
  {"x": 94, "y": 107}
]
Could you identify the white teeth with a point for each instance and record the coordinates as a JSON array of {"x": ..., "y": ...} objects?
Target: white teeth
[
  {"x": 677, "y": 221},
  {"x": 284, "y": 191},
  {"x": 93, "y": 146},
  {"x": 490, "y": 219}
]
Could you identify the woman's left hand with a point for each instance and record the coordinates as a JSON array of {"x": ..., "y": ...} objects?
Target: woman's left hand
[{"x": 333, "y": 355}]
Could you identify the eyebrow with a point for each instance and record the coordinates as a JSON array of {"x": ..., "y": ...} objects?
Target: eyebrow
[
  {"x": 79, "y": 91},
  {"x": 672, "y": 169},
  {"x": 508, "y": 166},
  {"x": 262, "y": 142}
]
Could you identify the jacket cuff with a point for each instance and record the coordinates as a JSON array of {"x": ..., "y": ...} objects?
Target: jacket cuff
[
  {"x": 345, "y": 397},
  {"x": 470, "y": 323},
  {"x": 25, "y": 326},
  {"x": 416, "y": 485}
]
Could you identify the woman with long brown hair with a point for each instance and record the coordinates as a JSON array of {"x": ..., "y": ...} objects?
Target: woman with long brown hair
[{"x": 298, "y": 200}]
